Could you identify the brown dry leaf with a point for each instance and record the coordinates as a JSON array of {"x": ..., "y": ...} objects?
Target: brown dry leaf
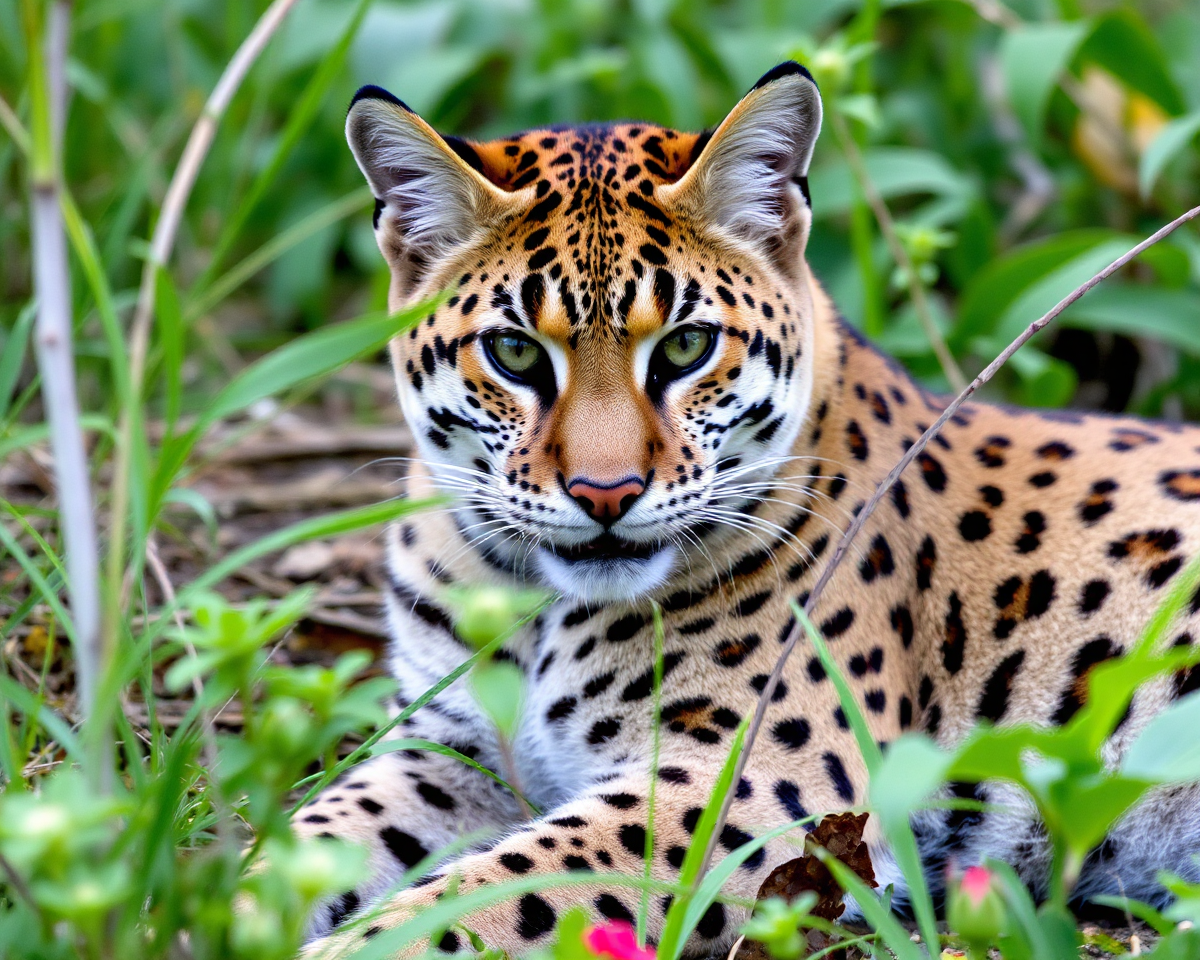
[{"x": 840, "y": 834}]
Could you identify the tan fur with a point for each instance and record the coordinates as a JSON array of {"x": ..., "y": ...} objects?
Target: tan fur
[{"x": 1053, "y": 539}]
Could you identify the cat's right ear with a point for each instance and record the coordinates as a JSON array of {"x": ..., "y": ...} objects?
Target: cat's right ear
[{"x": 429, "y": 199}]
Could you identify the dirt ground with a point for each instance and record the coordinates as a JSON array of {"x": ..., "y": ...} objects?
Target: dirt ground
[{"x": 262, "y": 474}]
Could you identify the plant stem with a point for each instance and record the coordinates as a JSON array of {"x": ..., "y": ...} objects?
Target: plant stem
[
  {"x": 55, "y": 350},
  {"x": 888, "y": 228},
  {"x": 889, "y": 481}
]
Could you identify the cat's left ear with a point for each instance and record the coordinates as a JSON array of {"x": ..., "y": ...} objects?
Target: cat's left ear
[{"x": 751, "y": 178}]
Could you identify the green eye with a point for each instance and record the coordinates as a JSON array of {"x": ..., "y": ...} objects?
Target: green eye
[
  {"x": 515, "y": 354},
  {"x": 686, "y": 347}
]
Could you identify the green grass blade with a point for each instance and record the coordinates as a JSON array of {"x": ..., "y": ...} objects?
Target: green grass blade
[
  {"x": 305, "y": 358},
  {"x": 881, "y": 919},
  {"x": 13, "y": 358},
  {"x": 332, "y": 524},
  {"x": 655, "y": 748},
  {"x": 897, "y": 830},
  {"x": 31, "y": 706},
  {"x": 269, "y": 252},
  {"x": 313, "y": 355},
  {"x": 171, "y": 336},
  {"x": 388, "y": 943},
  {"x": 36, "y": 577},
  {"x": 40, "y": 433},
  {"x": 300, "y": 118},
  {"x": 674, "y": 935},
  {"x": 84, "y": 246},
  {"x": 714, "y": 879},
  {"x": 867, "y": 746}
]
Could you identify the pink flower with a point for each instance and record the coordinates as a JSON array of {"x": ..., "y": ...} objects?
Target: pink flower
[
  {"x": 976, "y": 883},
  {"x": 616, "y": 939}
]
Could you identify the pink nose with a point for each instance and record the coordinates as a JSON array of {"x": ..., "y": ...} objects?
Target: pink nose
[{"x": 606, "y": 503}]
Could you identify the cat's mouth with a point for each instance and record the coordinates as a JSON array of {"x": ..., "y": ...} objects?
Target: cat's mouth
[
  {"x": 607, "y": 546},
  {"x": 606, "y": 568}
]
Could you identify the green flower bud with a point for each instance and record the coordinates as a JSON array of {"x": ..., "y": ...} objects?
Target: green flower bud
[
  {"x": 975, "y": 910},
  {"x": 487, "y": 613}
]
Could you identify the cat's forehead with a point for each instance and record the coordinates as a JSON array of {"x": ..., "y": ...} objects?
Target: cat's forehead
[
  {"x": 594, "y": 252},
  {"x": 617, "y": 156}
]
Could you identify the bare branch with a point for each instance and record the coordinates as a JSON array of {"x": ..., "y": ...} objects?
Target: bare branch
[
  {"x": 161, "y": 245},
  {"x": 184, "y": 178},
  {"x": 889, "y": 481}
]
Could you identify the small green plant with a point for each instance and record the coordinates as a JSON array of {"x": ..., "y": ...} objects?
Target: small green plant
[
  {"x": 132, "y": 870},
  {"x": 777, "y": 925}
]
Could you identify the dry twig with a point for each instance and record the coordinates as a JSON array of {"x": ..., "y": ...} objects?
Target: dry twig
[
  {"x": 889, "y": 481},
  {"x": 161, "y": 245}
]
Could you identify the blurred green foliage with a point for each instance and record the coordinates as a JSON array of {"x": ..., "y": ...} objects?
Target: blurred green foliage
[{"x": 1019, "y": 147}]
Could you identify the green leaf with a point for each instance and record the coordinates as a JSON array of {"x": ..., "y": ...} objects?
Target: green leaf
[
  {"x": 499, "y": 691},
  {"x": 1000, "y": 283},
  {"x": 895, "y": 172},
  {"x": 1123, "y": 45},
  {"x": 1032, "y": 56},
  {"x": 1044, "y": 381},
  {"x": 1137, "y": 310},
  {"x": 913, "y": 768},
  {"x": 1041, "y": 295},
  {"x": 1081, "y": 808},
  {"x": 1170, "y": 140},
  {"x": 1168, "y": 750}
]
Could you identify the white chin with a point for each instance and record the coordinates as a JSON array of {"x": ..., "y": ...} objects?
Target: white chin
[{"x": 602, "y": 581}]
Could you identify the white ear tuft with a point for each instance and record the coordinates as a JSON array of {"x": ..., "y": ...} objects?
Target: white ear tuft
[
  {"x": 428, "y": 200},
  {"x": 751, "y": 177}
]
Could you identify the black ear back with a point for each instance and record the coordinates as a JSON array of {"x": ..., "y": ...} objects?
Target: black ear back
[
  {"x": 786, "y": 69},
  {"x": 372, "y": 92}
]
